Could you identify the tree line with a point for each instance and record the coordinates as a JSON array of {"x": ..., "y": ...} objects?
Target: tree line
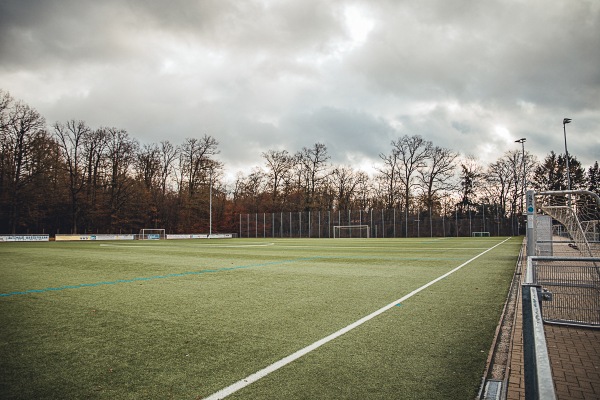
[{"x": 71, "y": 178}]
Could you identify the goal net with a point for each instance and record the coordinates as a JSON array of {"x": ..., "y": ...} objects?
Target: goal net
[
  {"x": 151, "y": 234},
  {"x": 575, "y": 220},
  {"x": 351, "y": 231},
  {"x": 480, "y": 234}
]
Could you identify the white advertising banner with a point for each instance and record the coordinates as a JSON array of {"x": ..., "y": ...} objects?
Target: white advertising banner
[
  {"x": 92, "y": 237},
  {"x": 179, "y": 236},
  {"x": 24, "y": 238},
  {"x": 201, "y": 236},
  {"x": 187, "y": 236},
  {"x": 221, "y": 236}
]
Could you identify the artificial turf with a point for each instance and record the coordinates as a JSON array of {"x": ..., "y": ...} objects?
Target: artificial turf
[{"x": 183, "y": 319}]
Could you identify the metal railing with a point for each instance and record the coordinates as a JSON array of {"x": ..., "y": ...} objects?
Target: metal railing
[
  {"x": 539, "y": 383},
  {"x": 570, "y": 288}
]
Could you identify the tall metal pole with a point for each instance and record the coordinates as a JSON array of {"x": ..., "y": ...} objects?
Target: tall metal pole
[
  {"x": 522, "y": 141},
  {"x": 210, "y": 204},
  {"x": 565, "y": 122}
]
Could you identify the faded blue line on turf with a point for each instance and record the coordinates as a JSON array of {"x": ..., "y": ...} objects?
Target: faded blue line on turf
[{"x": 151, "y": 278}]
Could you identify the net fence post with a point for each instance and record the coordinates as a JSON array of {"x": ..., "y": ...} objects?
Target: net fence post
[
  {"x": 394, "y": 218},
  {"x": 531, "y": 240}
]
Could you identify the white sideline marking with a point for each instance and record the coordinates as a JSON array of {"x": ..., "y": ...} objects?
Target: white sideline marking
[
  {"x": 245, "y": 245},
  {"x": 221, "y": 394},
  {"x": 138, "y": 246},
  {"x": 135, "y": 246},
  {"x": 382, "y": 247}
]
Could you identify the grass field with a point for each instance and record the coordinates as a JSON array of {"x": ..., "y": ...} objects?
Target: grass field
[{"x": 185, "y": 319}]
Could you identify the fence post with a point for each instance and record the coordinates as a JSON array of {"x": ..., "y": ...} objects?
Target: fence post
[
  {"x": 394, "y": 222},
  {"x": 456, "y": 216},
  {"x": 319, "y": 224},
  {"x": 531, "y": 240}
]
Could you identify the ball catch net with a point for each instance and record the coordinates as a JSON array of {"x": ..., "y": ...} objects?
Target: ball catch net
[{"x": 575, "y": 219}]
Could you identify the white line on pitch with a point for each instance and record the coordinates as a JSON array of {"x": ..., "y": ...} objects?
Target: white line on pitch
[
  {"x": 244, "y": 245},
  {"x": 221, "y": 394},
  {"x": 382, "y": 247},
  {"x": 146, "y": 246},
  {"x": 135, "y": 246}
]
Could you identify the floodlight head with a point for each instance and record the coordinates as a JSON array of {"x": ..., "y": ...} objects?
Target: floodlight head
[
  {"x": 566, "y": 120},
  {"x": 522, "y": 140}
]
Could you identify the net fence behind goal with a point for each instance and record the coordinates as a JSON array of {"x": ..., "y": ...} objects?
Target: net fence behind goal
[
  {"x": 351, "y": 231},
  {"x": 565, "y": 263},
  {"x": 567, "y": 223}
]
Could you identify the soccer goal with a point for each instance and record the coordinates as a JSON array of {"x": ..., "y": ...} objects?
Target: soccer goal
[
  {"x": 351, "y": 231},
  {"x": 151, "y": 234},
  {"x": 480, "y": 234}
]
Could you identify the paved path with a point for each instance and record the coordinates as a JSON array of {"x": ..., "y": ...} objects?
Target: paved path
[{"x": 574, "y": 355}]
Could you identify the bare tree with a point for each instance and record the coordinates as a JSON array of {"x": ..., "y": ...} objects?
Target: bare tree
[
  {"x": 346, "y": 183},
  {"x": 413, "y": 153},
  {"x": 471, "y": 178},
  {"x": 120, "y": 152},
  {"x": 436, "y": 177},
  {"x": 6, "y": 146},
  {"x": 30, "y": 175},
  {"x": 71, "y": 137},
  {"x": 389, "y": 179},
  {"x": 147, "y": 165},
  {"x": 196, "y": 161},
  {"x": 500, "y": 182},
  {"x": 279, "y": 164},
  {"x": 314, "y": 172},
  {"x": 168, "y": 155},
  {"x": 23, "y": 128},
  {"x": 94, "y": 155},
  {"x": 364, "y": 191},
  {"x": 5, "y": 102},
  {"x": 252, "y": 190}
]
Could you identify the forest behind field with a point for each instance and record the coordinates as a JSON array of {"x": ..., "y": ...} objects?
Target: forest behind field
[{"x": 68, "y": 177}]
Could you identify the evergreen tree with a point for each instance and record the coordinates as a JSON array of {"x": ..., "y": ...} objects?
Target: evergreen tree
[
  {"x": 594, "y": 178},
  {"x": 551, "y": 174}
]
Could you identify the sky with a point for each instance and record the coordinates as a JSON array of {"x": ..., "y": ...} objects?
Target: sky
[{"x": 257, "y": 75}]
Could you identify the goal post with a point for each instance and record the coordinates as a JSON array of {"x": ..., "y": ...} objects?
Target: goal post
[
  {"x": 351, "y": 231},
  {"x": 151, "y": 234},
  {"x": 480, "y": 234}
]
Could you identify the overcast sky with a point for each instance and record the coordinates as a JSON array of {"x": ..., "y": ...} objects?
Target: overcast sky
[{"x": 469, "y": 75}]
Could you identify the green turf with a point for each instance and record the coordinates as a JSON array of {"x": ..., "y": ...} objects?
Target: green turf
[{"x": 183, "y": 319}]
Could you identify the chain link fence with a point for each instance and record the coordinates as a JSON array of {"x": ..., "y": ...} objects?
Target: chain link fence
[{"x": 382, "y": 224}]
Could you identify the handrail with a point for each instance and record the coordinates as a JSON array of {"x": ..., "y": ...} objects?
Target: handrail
[
  {"x": 594, "y": 195},
  {"x": 539, "y": 383}
]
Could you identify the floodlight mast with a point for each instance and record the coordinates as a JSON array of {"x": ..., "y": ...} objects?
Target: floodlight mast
[
  {"x": 210, "y": 203},
  {"x": 565, "y": 122},
  {"x": 522, "y": 141}
]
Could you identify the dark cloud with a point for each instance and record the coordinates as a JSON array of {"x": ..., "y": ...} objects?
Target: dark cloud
[{"x": 354, "y": 75}]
